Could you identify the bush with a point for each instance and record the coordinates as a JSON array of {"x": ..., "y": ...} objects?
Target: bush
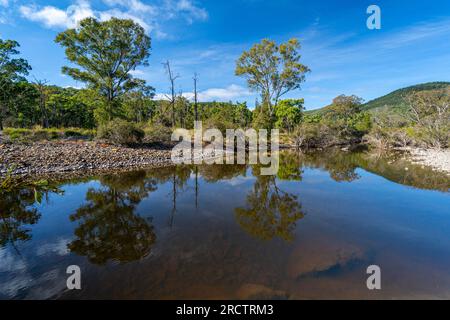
[
  {"x": 120, "y": 132},
  {"x": 157, "y": 133},
  {"x": 313, "y": 135}
]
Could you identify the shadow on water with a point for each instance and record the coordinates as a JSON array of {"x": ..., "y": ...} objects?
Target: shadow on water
[{"x": 218, "y": 224}]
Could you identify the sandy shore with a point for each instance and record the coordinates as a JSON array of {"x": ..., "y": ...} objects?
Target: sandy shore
[{"x": 438, "y": 159}]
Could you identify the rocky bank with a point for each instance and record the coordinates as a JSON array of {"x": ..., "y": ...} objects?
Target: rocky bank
[{"x": 68, "y": 156}]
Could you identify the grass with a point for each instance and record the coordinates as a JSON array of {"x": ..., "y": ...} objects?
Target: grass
[{"x": 47, "y": 134}]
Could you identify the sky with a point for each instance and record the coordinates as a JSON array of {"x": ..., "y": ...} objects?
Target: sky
[{"x": 207, "y": 37}]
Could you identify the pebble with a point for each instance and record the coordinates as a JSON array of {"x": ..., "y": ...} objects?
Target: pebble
[{"x": 67, "y": 156}]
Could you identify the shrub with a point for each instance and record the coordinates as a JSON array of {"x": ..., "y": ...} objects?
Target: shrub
[
  {"x": 157, "y": 132},
  {"x": 313, "y": 135},
  {"x": 120, "y": 132}
]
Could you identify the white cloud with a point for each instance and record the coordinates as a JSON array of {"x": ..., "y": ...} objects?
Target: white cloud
[
  {"x": 4, "y": 3},
  {"x": 148, "y": 16},
  {"x": 106, "y": 15},
  {"x": 416, "y": 34},
  {"x": 137, "y": 73},
  {"x": 133, "y": 5},
  {"x": 232, "y": 92},
  {"x": 54, "y": 17},
  {"x": 193, "y": 12},
  {"x": 58, "y": 247},
  {"x": 224, "y": 94}
]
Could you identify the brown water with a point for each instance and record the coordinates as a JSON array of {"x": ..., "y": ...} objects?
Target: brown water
[{"x": 225, "y": 232}]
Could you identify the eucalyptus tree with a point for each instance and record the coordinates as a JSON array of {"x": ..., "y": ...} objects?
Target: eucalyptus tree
[
  {"x": 272, "y": 70},
  {"x": 12, "y": 71},
  {"x": 106, "y": 53}
]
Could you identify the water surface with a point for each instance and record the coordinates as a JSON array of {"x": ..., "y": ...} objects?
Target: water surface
[{"x": 225, "y": 232}]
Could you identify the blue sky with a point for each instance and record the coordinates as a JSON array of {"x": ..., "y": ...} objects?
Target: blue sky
[{"x": 207, "y": 36}]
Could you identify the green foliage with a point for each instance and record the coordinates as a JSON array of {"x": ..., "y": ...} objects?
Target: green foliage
[
  {"x": 156, "y": 132},
  {"x": 272, "y": 70},
  {"x": 12, "y": 69},
  {"x": 12, "y": 72},
  {"x": 425, "y": 122},
  {"x": 71, "y": 108},
  {"x": 312, "y": 118},
  {"x": 138, "y": 104},
  {"x": 120, "y": 132},
  {"x": 262, "y": 118},
  {"x": 313, "y": 135},
  {"x": 288, "y": 113},
  {"x": 343, "y": 122},
  {"x": 345, "y": 117},
  {"x": 396, "y": 99},
  {"x": 106, "y": 51}
]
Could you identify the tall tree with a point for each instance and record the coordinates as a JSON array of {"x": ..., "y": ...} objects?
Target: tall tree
[
  {"x": 172, "y": 97},
  {"x": 272, "y": 70},
  {"x": 195, "y": 97},
  {"x": 12, "y": 71},
  {"x": 106, "y": 52}
]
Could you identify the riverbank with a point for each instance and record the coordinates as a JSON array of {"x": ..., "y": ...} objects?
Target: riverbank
[
  {"x": 79, "y": 157},
  {"x": 437, "y": 159},
  {"x": 70, "y": 156}
]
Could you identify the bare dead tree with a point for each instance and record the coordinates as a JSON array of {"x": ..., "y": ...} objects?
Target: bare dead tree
[
  {"x": 196, "y": 187},
  {"x": 182, "y": 109},
  {"x": 195, "y": 96},
  {"x": 172, "y": 97}
]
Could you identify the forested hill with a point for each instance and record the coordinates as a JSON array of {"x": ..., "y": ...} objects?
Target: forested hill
[{"x": 395, "y": 99}]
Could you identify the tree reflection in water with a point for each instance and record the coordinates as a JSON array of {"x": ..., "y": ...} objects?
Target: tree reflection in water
[
  {"x": 340, "y": 165},
  {"x": 16, "y": 211},
  {"x": 270, "y": 211},
  {"x": 108, "y": 227}
]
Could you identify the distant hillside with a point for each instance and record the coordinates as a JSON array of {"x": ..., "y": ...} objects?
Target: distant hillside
[{"x": 393, "y": 100}]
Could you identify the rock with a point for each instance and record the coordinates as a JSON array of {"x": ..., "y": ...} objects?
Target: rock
[{"x": 48, "y": 157}]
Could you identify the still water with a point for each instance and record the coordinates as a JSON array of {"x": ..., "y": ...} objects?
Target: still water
[{"x": 225, "y": 232}]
